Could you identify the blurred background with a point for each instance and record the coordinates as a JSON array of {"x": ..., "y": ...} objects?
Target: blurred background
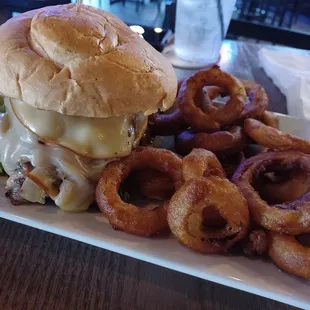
[{"x": 282, "y": 22}]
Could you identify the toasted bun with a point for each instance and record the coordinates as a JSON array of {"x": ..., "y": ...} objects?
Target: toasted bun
[{"x": 82, "y": 61}]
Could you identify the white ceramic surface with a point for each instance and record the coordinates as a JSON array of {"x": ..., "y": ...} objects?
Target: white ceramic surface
[{"x": 255, "y": 276}]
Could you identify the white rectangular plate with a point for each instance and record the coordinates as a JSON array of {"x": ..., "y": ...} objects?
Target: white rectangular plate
[{"x": 255, "y": 276}]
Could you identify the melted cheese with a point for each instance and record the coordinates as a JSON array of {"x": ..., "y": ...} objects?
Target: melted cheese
[
  {"x": 79, "y": 174},
  {"x": 91, "y": 137}
]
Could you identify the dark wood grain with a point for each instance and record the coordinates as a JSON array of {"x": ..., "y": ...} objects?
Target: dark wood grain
[
  {"x": 39, "y": 270},
  {"x": 44, "y": 271}
]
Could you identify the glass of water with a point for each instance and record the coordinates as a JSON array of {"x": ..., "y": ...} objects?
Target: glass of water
[{"x": 201, "y": 26}]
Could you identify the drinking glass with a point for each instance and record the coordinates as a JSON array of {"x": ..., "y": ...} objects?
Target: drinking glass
[{"x": 201, "y": 26}]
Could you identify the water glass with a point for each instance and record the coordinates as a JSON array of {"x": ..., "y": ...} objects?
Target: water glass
[{"x": 201, "y": 26}]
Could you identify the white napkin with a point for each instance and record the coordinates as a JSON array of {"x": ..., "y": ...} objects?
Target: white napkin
[{"x": 290, "y": 70}]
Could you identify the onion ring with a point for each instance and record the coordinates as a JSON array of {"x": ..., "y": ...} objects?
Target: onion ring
[
  {"x": 269, "y": 119},
  {"x": 186, "y": 208},
  {"x": 289, "y": 188},
  {"x": 200, "y": 163},
  {"x": 291, "y": 217},
  {"x": 273, "y": 138},
  {"x": 289, "y": 254},
  {"x": 258, "y": 101},
  {"x": 169, "y": 122},
  {"x": 206, "y": 102},
  {"x": 256, "y": 243},
  {"x": 231, "y": 162},
  {"x": 212, "y": 218},
  {"x": 153, "y": 184},
  {"x": 128, "y": 217},
  {"x": 252, "y": 149},
  {"x": 224, "y": 115},
  {"x": 221, "y": 142}
]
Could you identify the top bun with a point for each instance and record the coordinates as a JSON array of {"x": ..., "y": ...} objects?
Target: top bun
[{"x": 79, "y": 60}]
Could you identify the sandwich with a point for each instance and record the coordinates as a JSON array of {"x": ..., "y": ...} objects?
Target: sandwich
[{"x": 78, "y": 86}]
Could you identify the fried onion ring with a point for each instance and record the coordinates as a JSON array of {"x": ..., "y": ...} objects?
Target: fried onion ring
[
  {"x": 206, "y": 102},
  {"x": 289, "y": 187},
  {"x": 223, "y": 116},
  {"x": 289, "y": 254},
  {"x": 274, "y": 139},
  {"x": 153, "y": 184},
  {"x": 231, "y": 162},
  {"x": 290, "y": 217},
  {"x": 256, "y": 243},
  {"x": 253, "y": 149},
  {"x": 186, "y": 208},
  {"x": 269, "y": 119},
  {"x": 221, "y": 142},
  {"x": 128, "y": 217},
  {"x": 200, "y": 163},
  {"x": 166, "y": 123},
  {"x": 258, "y": 101}
]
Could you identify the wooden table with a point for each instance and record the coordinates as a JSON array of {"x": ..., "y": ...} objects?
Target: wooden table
[{"x": 44, "y": 271}]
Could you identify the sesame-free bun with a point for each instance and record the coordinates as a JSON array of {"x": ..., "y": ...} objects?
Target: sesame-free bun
[{"x": 79, "y": 60}]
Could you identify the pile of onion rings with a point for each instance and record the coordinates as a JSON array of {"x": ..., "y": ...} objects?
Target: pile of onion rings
[
  {"x": 198, "y": 121},
  {"x": 265, "y": 206}
]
